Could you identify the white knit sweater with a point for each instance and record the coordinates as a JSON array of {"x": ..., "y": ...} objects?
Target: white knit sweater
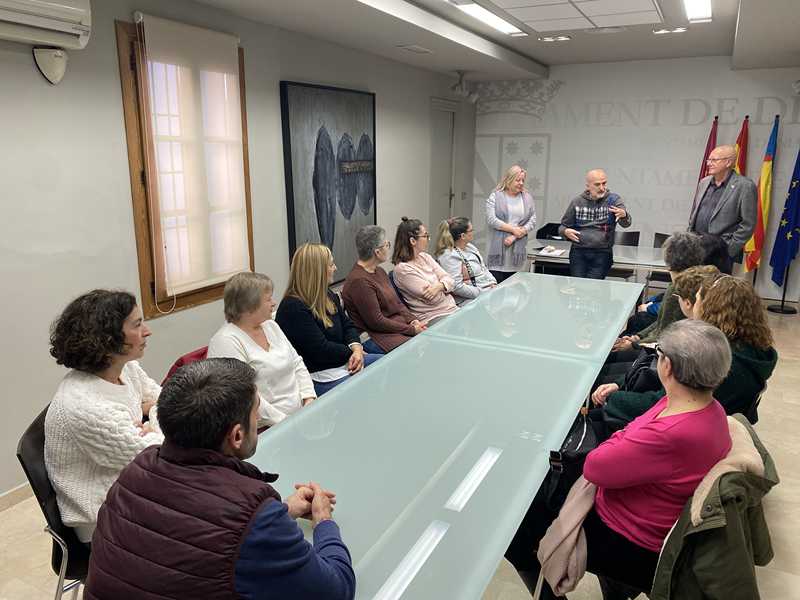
[{"x": 91, "y": 435}]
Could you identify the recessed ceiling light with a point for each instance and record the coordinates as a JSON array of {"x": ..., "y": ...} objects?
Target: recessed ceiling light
[
  {"x": 414, "y": 48},
  {"x": 605, "y": 30},
  {"x": 555, "y": 38},
  {"x": 520, "y": 34},
  {"x": 489, "y": 18},
  {"x": 675, "y": 30},
  {"x": 698, "y": 11}
]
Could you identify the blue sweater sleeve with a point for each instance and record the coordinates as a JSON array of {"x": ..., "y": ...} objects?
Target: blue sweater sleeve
[
  {"x": 653, "y": 308},
  {"x": 275, "y": 560}
]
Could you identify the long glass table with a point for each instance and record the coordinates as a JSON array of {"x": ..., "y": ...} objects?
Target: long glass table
[{"x": 436, "y": 451}]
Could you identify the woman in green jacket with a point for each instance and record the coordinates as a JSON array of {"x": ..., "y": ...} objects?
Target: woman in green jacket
[{"x": 731, "y": 305}]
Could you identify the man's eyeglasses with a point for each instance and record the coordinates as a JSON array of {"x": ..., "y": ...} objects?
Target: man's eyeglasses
[
  {"x": 423, "y": 235},
  {"x": 659, "y": 351},
  {"x": 716, "y": 160},
  {"x": 387, "y": 244}
]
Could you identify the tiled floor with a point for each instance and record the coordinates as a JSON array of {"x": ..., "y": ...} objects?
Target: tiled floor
[{"x": 25, "y": 550}]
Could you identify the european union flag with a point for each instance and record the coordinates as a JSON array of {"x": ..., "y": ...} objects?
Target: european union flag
[{"x": 787, "y": 239}]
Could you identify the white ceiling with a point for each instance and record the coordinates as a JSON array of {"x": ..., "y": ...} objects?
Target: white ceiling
[
  {"x": 763, "y": 37},
  {"x": 771, "y": 37}
]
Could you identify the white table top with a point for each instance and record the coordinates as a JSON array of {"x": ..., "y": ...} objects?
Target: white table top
[{"x": 625, "y": 256}]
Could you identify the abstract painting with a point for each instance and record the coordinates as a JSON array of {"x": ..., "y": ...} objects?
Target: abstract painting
[{"x": 329, "y": 165}]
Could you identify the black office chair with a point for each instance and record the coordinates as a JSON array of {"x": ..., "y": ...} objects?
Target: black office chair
[
  {"x": 70, "y": 558},
  {"x": 624, "y": 238},
  {"x": 548, "y": 232},
  {"x": 397, "y": 289},
  {"x": 660, "y": 276}
]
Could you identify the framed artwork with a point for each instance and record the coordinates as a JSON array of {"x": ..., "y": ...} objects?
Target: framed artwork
[{"x": 329, "y": 166}]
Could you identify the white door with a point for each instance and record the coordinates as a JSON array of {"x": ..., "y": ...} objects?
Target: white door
[{"x": 442, "y": 194}]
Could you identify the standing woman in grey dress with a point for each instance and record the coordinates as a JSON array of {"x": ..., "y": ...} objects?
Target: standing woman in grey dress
[{"x": 510, "y": 216}]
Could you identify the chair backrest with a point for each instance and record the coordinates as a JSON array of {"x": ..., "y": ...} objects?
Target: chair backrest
[
  {"x": 548, "y": 232},
  {"x": 193, "y": 356},
  {"x": 397, "y": 289},
  {"x": 752, "y": 411},
  {"x": 30, "y": 453},
  {"x": 626, "y": 238},
  {"x": 659, "y": 239}
]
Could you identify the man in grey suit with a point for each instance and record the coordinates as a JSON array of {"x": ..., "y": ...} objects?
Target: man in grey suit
[{"x": 725, "y": 205}]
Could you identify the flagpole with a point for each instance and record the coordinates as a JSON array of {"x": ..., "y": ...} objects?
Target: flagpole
[{"x": 782, "y": 308}]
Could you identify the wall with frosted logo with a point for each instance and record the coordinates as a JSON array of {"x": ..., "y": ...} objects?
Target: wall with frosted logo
[{"x": 646, "y": 123}]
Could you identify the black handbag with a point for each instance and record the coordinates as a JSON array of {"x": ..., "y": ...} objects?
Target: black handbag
[
  {"x": 566, "y": 464},
  {"x": 643, "y": 374}
]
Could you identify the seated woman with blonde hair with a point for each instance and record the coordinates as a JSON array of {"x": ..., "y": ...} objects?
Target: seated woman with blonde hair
[
  {"x": 462, "y": 260},
  {"x": 425, "y": 286},
  {"x": 251, "y": 336},
  {"x": 313, "y": 319}
]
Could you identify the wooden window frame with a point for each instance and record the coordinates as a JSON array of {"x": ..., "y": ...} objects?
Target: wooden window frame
[{"x": 131, "y": 64}]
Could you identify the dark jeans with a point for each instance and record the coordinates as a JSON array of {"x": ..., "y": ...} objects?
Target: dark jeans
[
  {"x": 590, "y": 263},
  {"x": 370, "y": 347},
  {"x": 639, "y": 321},
  {"x": 320, "y": 387},
  {"x": 501, "y": 276}
]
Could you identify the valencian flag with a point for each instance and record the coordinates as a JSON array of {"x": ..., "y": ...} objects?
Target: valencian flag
[
  {"x": 741, "y": 148},
  {"x": 788, "y": 236},
  {"x": 753, "y": 247},
  {"x": 710, "y": 145}
]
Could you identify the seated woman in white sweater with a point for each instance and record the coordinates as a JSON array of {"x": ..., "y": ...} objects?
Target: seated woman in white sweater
[
  {"x": 252, "y": 336},
  {"x": 93, "y": 427}
]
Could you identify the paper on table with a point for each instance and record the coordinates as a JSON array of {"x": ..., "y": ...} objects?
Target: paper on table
[{"x": 550, "y": 251}]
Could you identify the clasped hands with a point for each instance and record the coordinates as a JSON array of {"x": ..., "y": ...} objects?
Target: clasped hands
[
  {"x": 625, "y": 342},
  {"x": 311, "y": 502},
  {"x": 515, "y": 234}
]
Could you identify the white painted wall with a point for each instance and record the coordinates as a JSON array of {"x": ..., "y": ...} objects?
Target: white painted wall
[
  {"x": 67, "y": 223},
  {"x": 646, "y": 123}
]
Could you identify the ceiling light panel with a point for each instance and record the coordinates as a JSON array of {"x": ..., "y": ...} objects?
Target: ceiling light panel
[
  {"x": 614, "y": 7},
  {"x": 518, "y": 3},
  {"x": 560, "y": 24},
  {"x": 545, "y": 13},
  {"x": 634, "y": 18},
  {"x": 489, "y": 18},
  {"x": 697, "y": 11}
]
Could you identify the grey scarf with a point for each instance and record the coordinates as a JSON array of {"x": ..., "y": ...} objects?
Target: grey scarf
[{"x": 519, "y": 247}]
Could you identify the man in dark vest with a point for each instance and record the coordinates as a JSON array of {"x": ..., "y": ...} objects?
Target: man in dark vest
[{"x": 192, "y": 519}]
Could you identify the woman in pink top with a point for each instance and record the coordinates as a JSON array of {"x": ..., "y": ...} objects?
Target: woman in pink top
[
  {"x": 647, "y": 472},
  {"x": 425, "y": 286}
]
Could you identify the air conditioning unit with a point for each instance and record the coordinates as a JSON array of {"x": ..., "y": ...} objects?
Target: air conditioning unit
[{"x": 59, "y": 23}]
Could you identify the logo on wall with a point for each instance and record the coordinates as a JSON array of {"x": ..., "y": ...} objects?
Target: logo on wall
[
  {"x": 522, "y": 96},
  {"x": 495, "y": 153}
]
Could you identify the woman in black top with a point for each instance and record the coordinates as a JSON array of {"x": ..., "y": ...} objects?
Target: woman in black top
[{"x": 312, "y": 318}]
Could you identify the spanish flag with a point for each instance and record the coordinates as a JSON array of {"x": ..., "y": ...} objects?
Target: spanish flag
[
  {"x": 753, "y": 247},
  {"x": 741, "y": 148}
]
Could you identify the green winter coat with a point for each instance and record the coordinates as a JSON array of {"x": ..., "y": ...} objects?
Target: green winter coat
[{"x": 715, "y": 559}]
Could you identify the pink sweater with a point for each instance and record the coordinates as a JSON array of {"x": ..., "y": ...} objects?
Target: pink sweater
[
  {"x": 412, "y": 279},
  {"x": 646, "y": 472}
]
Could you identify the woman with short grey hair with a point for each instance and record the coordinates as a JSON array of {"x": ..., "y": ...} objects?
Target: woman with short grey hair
[
  {"x": 681, "y": 251},
  {"x": 252, "y": 336},
  {"x": 371, "y": 300},
  {"x": 647, "y": 472}
]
